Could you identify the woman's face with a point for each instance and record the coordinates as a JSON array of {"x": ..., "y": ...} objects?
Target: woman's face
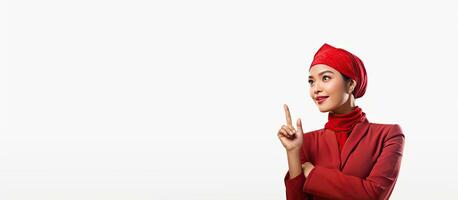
[{"x": 327, "y": 88}]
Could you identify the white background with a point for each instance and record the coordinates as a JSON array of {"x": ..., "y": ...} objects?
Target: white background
[{"x": 183, "y": 99}]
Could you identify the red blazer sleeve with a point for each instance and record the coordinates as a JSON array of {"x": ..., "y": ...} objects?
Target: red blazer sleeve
[
  {"x": 333, "y": 184},
  {"x": 294, "y": 186}
]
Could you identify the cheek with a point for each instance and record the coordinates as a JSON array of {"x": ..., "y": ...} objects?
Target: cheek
[
  {"x": 335, "y": 90},
  {"x": 332, "y": 88}
]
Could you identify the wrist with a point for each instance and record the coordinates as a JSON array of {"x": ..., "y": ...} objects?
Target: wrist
[{"x": 294, "y": 151}]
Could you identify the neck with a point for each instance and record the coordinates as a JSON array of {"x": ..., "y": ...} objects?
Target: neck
[
  {"x": 345, "y": 121},
  {"x": 347, "y": 107}
]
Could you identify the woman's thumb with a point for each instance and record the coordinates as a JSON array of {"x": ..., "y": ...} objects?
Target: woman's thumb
[{"x": 299, "y": 125}]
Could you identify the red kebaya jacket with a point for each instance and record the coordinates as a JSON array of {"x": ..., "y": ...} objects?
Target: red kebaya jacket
[{"x": 367, "y": 167}]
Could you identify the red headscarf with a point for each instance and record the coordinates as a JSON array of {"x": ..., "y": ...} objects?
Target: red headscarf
[{"x": 344, "y": 62}]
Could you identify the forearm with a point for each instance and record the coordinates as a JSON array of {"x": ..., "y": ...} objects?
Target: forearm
[
  {"x": 334, "y": 184},
  {"x": 294, "y": 163}
]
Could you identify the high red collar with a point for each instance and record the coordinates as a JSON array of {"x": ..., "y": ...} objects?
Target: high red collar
[{"x": 345, "y": 122}]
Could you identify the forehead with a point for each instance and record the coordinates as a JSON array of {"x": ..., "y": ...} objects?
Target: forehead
[{"x": 319, "y": 68}]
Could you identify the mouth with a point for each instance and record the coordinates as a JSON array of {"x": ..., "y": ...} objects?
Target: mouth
[{"x": 321, "y": 99}]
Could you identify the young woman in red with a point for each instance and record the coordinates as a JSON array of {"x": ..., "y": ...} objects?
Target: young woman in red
[{"x": 350, "y": 158}]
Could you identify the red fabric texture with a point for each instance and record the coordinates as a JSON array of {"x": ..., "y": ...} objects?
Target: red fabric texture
[
  {"x": 367, "y": 167},
  {"x": 346, "y": 63},
  {"x": 342, "y": 124}
]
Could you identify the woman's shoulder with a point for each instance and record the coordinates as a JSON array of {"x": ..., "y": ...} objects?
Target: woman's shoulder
[
  {"x": 314, "y": 132},
  {"x": 386, "y": 128},
  {"x": 384, "y": 125}
]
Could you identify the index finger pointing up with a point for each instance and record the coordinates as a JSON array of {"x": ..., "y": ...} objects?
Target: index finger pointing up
[{"x": 288, "y": 116}]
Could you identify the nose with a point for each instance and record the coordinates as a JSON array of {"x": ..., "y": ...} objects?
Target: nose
[{"x": 316, "y": 88}]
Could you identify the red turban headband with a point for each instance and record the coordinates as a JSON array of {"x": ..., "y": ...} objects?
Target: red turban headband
[{"x": 344, "y": 62}]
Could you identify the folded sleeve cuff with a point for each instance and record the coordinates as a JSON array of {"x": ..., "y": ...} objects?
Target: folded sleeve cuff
[{"x": 294, "y": 186}]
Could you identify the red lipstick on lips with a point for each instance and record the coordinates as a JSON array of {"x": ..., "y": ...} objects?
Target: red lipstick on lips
[{"x": 321, "y": 99}]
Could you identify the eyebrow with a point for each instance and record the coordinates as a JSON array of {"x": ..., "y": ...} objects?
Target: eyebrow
[{"x": 323, "y": 73}]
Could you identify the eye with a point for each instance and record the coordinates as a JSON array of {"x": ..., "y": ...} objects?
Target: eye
[
  {"x": 326, "y": 78},
  {"x": 310, "y": 82}
]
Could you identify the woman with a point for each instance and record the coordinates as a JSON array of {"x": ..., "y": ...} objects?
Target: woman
[{"x": 350, "y": 158}]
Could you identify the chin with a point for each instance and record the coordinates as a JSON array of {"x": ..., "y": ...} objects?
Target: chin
[
  {"x": 323, "y": 109},
  {"x": 327, "y": 107}
]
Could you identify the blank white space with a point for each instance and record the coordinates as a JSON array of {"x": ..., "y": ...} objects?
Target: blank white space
[{"x": 183, "y": 99}]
